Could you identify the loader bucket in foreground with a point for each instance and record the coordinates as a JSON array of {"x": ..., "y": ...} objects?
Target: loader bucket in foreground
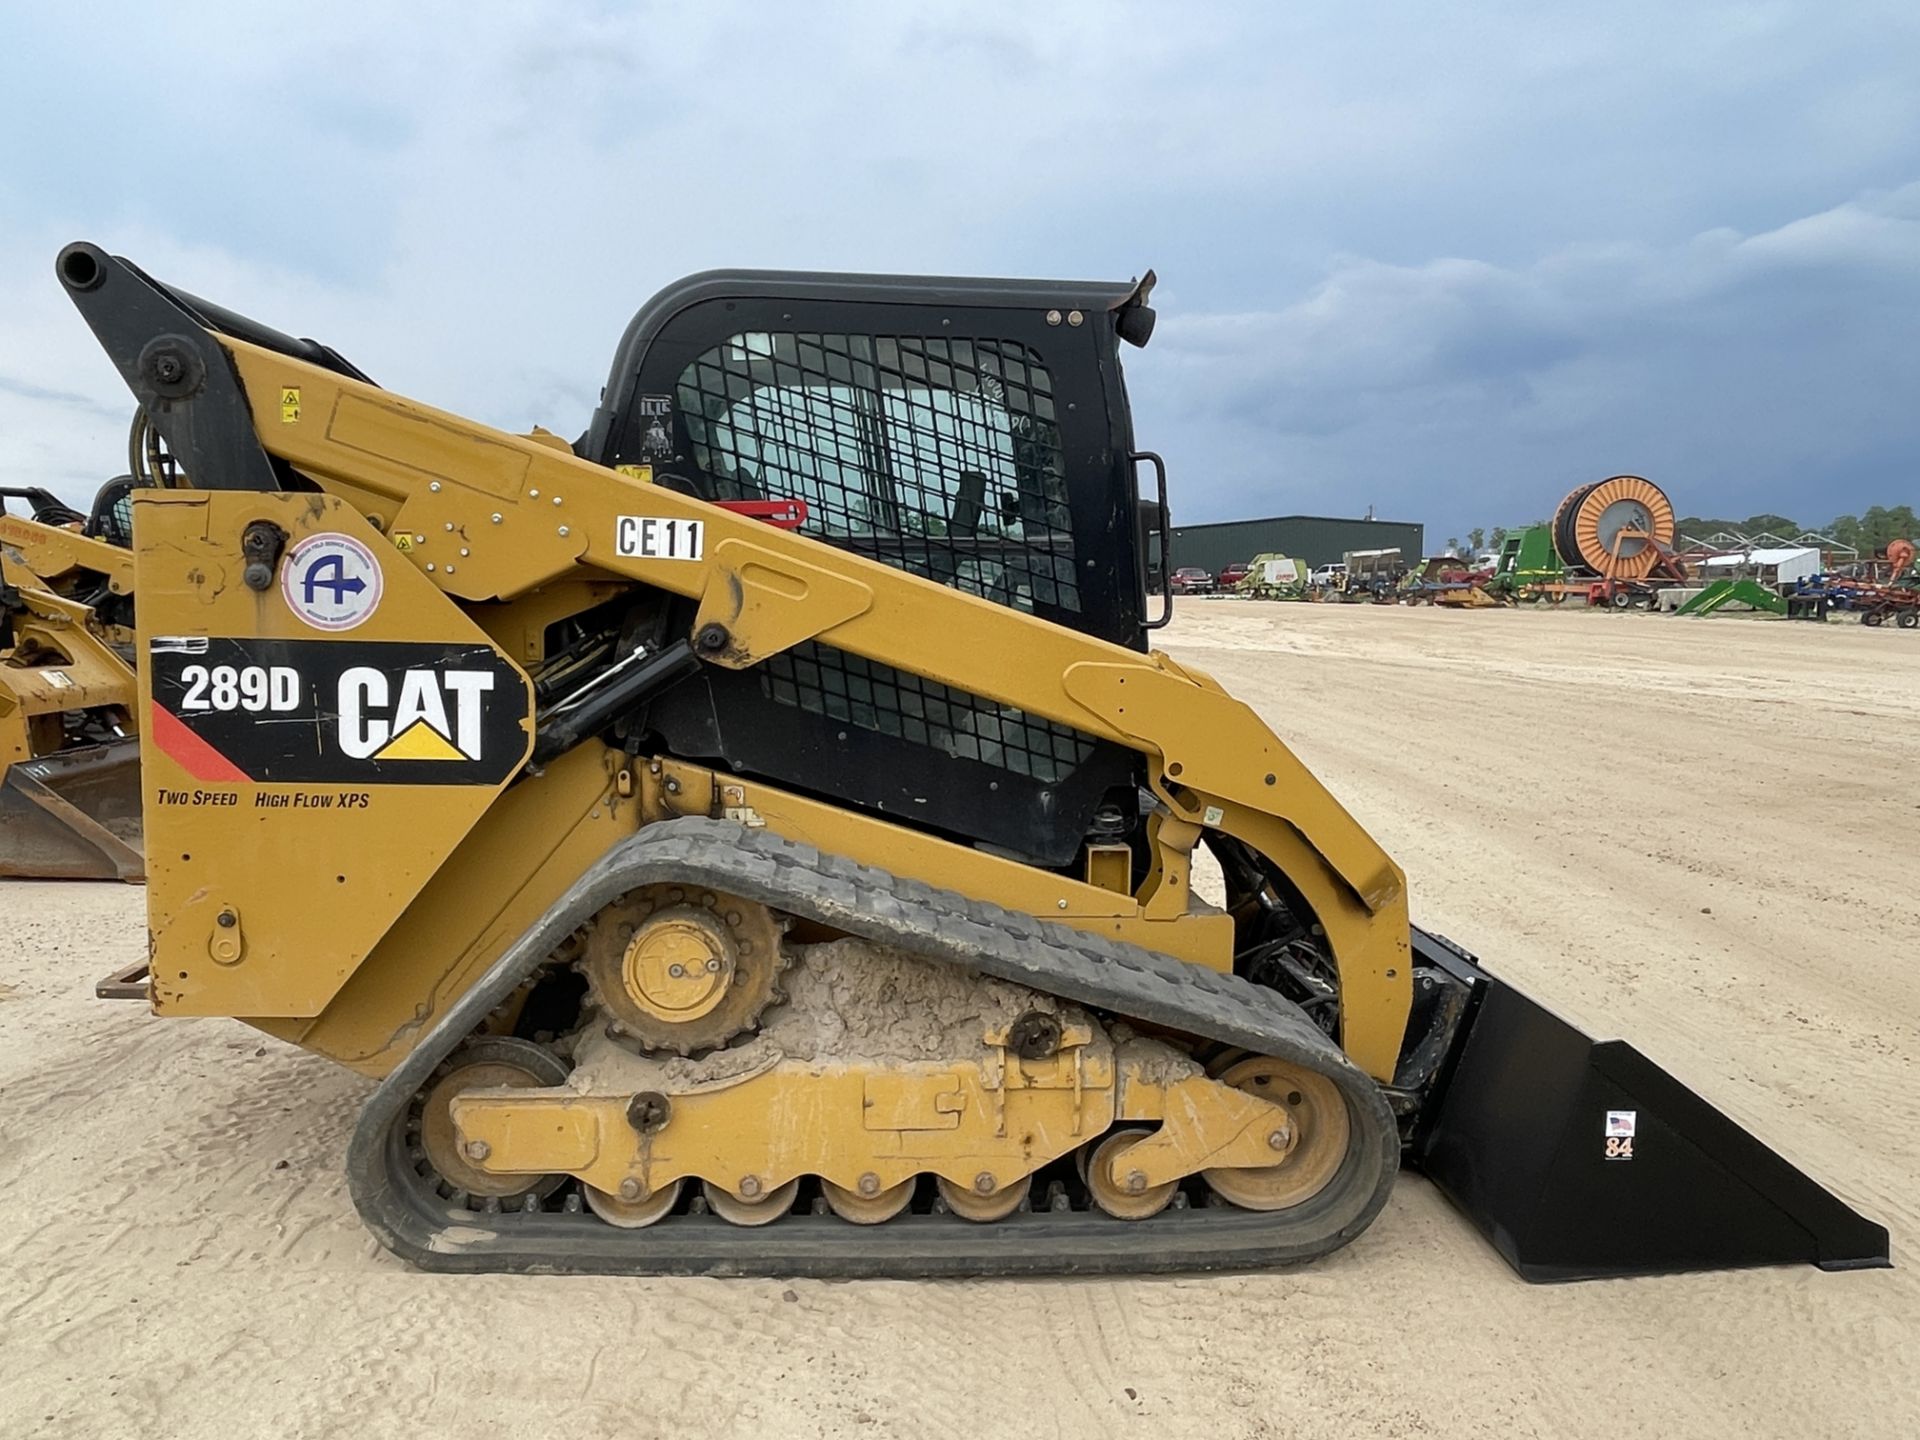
[
  {"x": 74, "y": 815},
  {"x": 1581, "y": 1159}
]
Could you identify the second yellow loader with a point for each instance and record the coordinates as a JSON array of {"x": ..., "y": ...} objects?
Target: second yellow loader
[{"x": 69, "y": 748}]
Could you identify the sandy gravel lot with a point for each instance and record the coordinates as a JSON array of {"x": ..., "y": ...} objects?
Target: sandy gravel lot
[{"x": 181, "y": 1259}]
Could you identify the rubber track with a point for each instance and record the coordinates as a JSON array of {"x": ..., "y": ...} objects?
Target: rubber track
[{"x": 411, "y": 1219}]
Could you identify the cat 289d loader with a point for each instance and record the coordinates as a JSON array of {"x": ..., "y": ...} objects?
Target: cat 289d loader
[{"x": 759, "y": 838}]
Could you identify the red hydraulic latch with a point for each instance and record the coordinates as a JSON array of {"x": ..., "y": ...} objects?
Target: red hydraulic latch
[{"x": 781, "y": 514}]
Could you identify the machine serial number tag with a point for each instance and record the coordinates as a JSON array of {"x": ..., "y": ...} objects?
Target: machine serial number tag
[{"x": 653, "y": 537}]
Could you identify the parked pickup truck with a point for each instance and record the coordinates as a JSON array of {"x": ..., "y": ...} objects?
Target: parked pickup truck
[{"x": 1192, "y": 580}]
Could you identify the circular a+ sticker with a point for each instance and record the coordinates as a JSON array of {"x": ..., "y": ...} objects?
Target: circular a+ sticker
[{"x": 331, "y": 581}]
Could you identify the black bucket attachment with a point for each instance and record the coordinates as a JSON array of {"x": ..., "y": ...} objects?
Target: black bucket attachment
[
  {"x": 1581, "y": 1159},
  {"x": 74, "y": 815}
]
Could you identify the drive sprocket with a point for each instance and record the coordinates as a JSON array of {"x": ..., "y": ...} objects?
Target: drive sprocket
[{"x": 678, "y": 968}]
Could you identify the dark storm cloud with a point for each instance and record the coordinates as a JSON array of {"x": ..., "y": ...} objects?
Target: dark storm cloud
[
  {"x": 1748, "y": 373},
  {"x": 1441, "y": 258}
]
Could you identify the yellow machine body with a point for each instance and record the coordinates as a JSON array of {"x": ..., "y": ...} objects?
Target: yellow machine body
[{"x": 484, "y": 533}]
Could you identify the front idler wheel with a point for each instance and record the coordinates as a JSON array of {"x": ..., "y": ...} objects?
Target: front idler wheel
[{"x": 1313, "y": 1153}]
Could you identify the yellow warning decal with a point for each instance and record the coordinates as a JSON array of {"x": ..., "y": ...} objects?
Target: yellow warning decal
[
  {"x": 403, "y": 540},
  {"x": 419, "y": 741},
  {"x": 289, "y": 404},
  {"x": 642, "y": 473}
]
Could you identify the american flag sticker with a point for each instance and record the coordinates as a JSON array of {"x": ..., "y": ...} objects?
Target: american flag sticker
[{"x": 1620, "y": 1124}]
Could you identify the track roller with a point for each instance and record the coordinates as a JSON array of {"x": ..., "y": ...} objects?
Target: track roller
[
  {"x": 761, "y": 1209},
  {"x": 636, "y": 1213},
  {"x": 971, "y": 1203},
  {"x": 1124, "y": 1202},
  {"x": 863, "y": 1208}
]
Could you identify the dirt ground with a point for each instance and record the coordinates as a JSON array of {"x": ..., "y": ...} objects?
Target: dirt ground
[{"x": 1697, "y": 834}]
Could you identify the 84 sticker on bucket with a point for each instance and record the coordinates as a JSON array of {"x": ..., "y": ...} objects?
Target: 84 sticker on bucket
[{"x": 1619, "y": 1137}]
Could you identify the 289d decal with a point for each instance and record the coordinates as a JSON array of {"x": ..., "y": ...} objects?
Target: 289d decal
[
  {"x": 291, "y": 711},
  {"x": 246, "y": 687}
]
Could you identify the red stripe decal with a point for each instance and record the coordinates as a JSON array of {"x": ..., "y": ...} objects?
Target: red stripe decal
[{"x": 195, "y": 756}]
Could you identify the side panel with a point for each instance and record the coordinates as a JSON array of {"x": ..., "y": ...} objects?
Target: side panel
[
  {"x": 313, "y": 751},
  {"x": 515, "y": 863}
]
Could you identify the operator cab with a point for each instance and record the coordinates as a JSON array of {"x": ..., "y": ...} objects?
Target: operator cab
[{"x": 973, "y": 432}]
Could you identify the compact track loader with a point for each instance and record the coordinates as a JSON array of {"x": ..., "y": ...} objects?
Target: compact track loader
[
  {"x": 69, "y": 751},
  {"x": 759, "y": 838}
]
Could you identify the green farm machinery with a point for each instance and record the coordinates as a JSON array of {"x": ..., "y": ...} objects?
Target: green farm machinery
[
  {"x": 1721, "y": 593},
  {"x": 1274, "y": 577}
]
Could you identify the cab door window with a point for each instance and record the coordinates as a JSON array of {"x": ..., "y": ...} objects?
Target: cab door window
[{"x": 938, "y": 456}]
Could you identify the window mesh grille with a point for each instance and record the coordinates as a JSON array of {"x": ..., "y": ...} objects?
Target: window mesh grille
[
  {"x": 856, "y": 691},
  {"x": 939, "y": 456}
]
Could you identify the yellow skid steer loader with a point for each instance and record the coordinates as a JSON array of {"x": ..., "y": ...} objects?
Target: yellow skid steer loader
[
  {"x": 69, "y": 751},
  {"x": 759, "y": 837}
]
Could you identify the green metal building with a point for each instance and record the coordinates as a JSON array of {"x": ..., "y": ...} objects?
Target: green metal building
[{"x": 1316, "y": 539}]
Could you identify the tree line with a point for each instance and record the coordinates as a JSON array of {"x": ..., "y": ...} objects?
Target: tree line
[
  {"x": 1479, "y": 539},
  {"x": 1867, "y": 533}
]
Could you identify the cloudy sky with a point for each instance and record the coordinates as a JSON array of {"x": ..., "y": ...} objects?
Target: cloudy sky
[{"x": 1445, "y": 259}]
